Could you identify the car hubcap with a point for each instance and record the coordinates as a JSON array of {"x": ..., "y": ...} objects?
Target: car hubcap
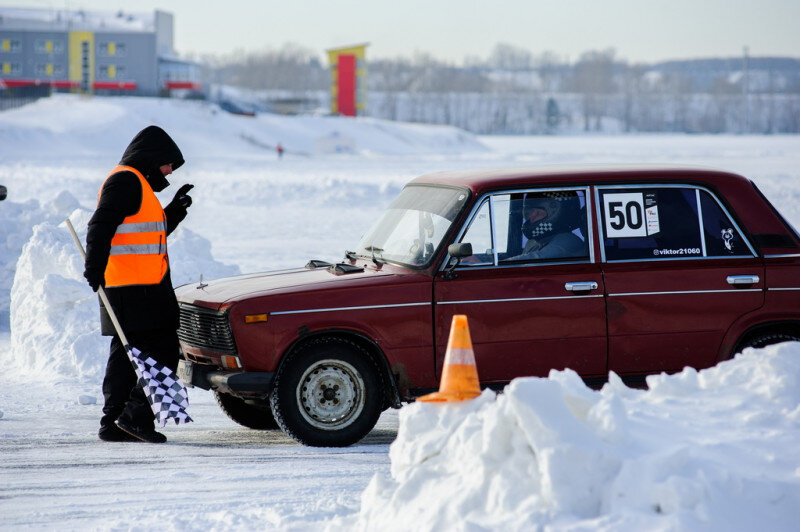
[{"x": 330, "y": 394}]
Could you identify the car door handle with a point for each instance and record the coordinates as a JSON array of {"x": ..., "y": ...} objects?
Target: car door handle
[
  {"x": 742, "y": 279},
  {"x": 580, "y": 286}
]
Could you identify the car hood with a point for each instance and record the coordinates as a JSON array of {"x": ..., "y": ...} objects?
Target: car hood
[{"x": 217, "y": 292}]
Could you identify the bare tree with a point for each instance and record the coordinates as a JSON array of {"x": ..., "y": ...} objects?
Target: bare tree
[
  {"x": 593, "y": 77},
  {"x": 506, "y": 56},
  {"x": 292, "y": 67}
]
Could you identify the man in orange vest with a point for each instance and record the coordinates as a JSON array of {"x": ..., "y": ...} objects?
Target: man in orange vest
[{"x": 126, "y": 252}]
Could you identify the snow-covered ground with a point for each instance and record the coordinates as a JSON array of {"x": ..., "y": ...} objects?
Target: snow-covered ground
[{"x": 718, "y": 450}]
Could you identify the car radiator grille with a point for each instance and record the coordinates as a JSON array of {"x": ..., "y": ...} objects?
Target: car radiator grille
[{"x": 201, "y": 327}]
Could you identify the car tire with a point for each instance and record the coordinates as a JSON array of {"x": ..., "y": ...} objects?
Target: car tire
[
  {"x": 252, "y": 416},
  {"x": 328, "y": 394},
  {"x": 764, "y": 339}
]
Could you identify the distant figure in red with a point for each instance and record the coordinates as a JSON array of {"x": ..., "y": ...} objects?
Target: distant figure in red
[{"x": 280, "y": 150}]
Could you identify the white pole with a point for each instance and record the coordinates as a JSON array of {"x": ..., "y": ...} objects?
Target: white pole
[{"x": 100, "y": 290}]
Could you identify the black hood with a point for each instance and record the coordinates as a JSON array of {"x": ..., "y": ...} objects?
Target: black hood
[{"x": 149, "y": 150}]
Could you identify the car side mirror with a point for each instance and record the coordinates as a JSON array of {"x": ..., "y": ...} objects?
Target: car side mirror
[
  {"x": 457, "y": 252},
  {"x": 3, "y": 192},
  {"x": 460, "y": 250}
]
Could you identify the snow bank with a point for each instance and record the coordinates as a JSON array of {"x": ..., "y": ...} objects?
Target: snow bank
[
  {"x": 17, "y": 221},
  {"x": 54, "y": 316},
  {"x": 75, "y": 127},
  {"x": 715, "y": 449},
  {"x": 54, "y": 313}
]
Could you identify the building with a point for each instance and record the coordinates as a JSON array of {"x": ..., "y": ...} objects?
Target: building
[{"x": 91, "y": 52}]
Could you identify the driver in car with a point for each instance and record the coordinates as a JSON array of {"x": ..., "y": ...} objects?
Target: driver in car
[{"x": 548, "y": 226}]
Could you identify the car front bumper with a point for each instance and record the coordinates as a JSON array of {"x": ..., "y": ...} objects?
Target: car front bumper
[{"x": 250, "y": 384}]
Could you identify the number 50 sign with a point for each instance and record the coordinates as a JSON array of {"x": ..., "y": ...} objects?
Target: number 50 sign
[{"x": 626, "y": 215}]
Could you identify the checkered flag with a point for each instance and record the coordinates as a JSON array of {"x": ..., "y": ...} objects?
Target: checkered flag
[{"x": 164, "y": 390}]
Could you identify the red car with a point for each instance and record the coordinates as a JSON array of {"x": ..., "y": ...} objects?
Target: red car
[{"x": 630, "y": 270}]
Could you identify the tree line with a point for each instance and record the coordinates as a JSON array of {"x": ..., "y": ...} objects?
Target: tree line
[{"x": 513, "y": 90}]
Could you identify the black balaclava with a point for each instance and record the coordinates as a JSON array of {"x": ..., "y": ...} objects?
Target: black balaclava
[{"x": 149, "y": 150}]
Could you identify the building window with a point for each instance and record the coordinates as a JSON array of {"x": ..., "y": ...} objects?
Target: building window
[
  {"x": 48, "y": 69},
  {"x": 10, "y": 45},
  {"x": 48, "y": 46},
  {"x": 111, "y": 72},
  {"x": 10, "y": 68},
  {"x": 111, "y": 49}
]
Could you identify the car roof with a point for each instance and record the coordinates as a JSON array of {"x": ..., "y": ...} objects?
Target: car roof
[{"x": 480, "y": 181}]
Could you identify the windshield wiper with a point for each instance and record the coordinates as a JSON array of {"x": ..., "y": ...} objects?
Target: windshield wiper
[
  {"x": 374, "y": 250},
  {"x": 350, "y": 255}
]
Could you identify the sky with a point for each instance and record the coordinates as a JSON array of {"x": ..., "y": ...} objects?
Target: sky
[{"x": 639, "y": 30}]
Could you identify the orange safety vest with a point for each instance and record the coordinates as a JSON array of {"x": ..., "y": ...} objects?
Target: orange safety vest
[{"x": 139, "y": 247}]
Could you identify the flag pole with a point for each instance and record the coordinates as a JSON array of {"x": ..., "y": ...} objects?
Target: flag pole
[{"x": 100, "y": 291}]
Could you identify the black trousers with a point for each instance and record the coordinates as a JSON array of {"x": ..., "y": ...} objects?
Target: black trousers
[{"x": 123, "y": 397}]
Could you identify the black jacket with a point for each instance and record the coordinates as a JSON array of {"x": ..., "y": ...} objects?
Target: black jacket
[{"x": 145, "y": 307}]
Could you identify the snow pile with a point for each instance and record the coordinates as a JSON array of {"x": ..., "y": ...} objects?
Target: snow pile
[
  {"x": 715, "y": 449},
  {"x": 78, "y": 127},
  {"x": 17, "y": 221},
  {"x": 54, "y": 313},
  {"x": 54, "y": 316}
]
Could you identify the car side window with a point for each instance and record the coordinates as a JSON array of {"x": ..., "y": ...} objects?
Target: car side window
[
  {"x": 530, "y": 226},
  {"x": 664, "y": 223},
  {"x": 721, "y": 235},
  {"x": 479, "y": 234},
  {"x": 548, "y": 225}
]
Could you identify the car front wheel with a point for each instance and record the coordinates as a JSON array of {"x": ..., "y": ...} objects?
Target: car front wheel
[{"x": 328, "y": 394}]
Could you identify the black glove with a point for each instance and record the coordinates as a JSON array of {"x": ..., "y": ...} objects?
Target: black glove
[
  {"x": 95, "y": 277},
  {"x": 182, "y": 196}
]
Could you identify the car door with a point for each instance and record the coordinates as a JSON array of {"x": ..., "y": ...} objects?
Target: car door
[
  {"x": 678, "y": 272},
  {"x": 527, "y": 315}
]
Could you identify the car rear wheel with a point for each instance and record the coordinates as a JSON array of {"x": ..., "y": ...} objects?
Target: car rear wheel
[
  {"x": 764, "y": 339},
  {"x": 328, "y": 394},
  {"x": 253, "y": 415}
]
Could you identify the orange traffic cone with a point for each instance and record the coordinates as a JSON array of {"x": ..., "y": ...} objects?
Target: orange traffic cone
[{"x": 459, "y": 374}]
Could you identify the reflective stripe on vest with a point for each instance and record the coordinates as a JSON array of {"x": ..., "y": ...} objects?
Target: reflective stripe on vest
[
  {"x": 142, "y": 227},
  {"x": 138, "y": 254},
  {"x": 133, "y": 249}
]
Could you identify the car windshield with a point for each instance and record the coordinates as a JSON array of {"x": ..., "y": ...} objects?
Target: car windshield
[{"x": 410, "y": 231}]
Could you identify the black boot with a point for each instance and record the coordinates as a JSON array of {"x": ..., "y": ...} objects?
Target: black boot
[
  {"x": 113, "y": 433},
  {"x": 145, "y": 434}
]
